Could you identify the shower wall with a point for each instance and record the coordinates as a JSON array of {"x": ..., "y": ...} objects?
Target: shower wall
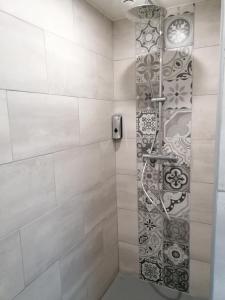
[
  {"x": 58, "y": 217},
  {"x": 204, "y": 102}
]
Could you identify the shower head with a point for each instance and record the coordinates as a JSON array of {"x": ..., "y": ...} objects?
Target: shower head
[{"x": 143, "y": 10}]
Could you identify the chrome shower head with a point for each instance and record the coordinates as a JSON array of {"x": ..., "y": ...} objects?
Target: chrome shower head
[{"x": 143, "y": 10}]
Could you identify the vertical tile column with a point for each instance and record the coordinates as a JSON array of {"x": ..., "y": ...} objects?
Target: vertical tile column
[{"x": 164, "y": 244}]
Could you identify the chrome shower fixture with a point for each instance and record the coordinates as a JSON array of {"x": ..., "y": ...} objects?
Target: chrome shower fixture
[{"x": 143, "y": 10}]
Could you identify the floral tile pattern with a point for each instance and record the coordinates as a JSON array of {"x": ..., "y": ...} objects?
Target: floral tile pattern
[{"x": 164, "y": 256}]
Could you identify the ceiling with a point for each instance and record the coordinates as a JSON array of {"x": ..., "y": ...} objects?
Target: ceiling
[{"x": 113, "y": 9}]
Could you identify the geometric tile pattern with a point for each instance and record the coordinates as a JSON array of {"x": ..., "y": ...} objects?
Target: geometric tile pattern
[{"x": 164, "y": 256}]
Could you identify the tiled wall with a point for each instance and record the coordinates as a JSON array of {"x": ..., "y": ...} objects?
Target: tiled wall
[
  {"x": 58, "y": 218},
  {"x": 205, "y": 90}
]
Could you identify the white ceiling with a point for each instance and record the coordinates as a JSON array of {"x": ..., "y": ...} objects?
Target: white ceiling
[{"x": 113, "y": 9}]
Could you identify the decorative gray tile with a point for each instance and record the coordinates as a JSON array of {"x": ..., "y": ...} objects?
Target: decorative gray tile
[
  {"x": 147, "y": 122},
  {"x": 176, "y": 230},
  {"x": 178, "y": 94},
  {"x": 177, "y": 204},
  {"x": 151, "y": 270},
  {"x": 147, "y": 37},
  {"x": 176, "y": 255},
  {"x": 177, "y": 64},
  {"x": 147, "y": 68},
  {"x": 176, "y": 178},
  {"x": 176, "y": 278},
  {"x": 145, "y": 92},
  {"x": 179, "y": 31},
  {"x": 144, "y": 144}
]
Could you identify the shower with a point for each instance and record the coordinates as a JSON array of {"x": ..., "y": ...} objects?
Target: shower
[{"x": 142, "y": 12}]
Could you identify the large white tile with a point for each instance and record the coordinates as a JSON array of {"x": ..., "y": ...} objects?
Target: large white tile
[
  {"x": 206, "y": 70},
  {"x": 11, "y": 271},
  {"x": 128, "y": 258},
  {"x": 46, "y": 239},
  {"x": 128, "y": 111},
  {"x": 27, "y": 191},
  {"x": 105, "y": 78},
  {"x": 42, "y": 123},
  {"x": 110, "y": 232},
  {"x": 95, "y": 120},
  {"x": 123, "y": 39},
  {"x": 71, "y": 69},
  {"x": 108, "y": 158},
  {"x": 77, "y": 171},
  {"x": 45, "y": 287},
  {"x": 93, "y": 30},
  {"x": 53, "y": 15},
  {"x": 103, "y": 274},
  {"x": 22, "y": 56},
  {"x": 73, "y": 271},
  {"x": 221, "y": 146},
  {"x": 124, "y": 80},
  {"x": 204, "y": 108},
  {"x": 202, "y": 200},
  {"x": 94, "y": 248},
  {"x": 201, "y": 241},
  {"x": 126, "y": 157},
  {"x": 128, "y": 226},
  {"x": 5, "y": 146},
  {"x": 203, "y": 161},
  {"x": 207, "y": 21},
  {"x": 99, "y": 203},
  {"x": 126, "y": 192},
  {"x": 200, "y": 279}
]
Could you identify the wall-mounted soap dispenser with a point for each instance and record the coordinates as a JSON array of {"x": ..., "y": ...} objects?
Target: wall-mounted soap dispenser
[{"x": 117, "y": 127}]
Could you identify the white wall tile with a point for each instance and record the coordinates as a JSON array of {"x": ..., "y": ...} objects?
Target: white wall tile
[
  {"x": 94, "y": 248},
  {"x": 95, "y": 30},
  {"x": 204, "y": 123},
  {"x": 95, "y": 120},
  {"x": 207, "y": 21},
  {"x": 77, "y": 171},
  {"x": 124, "y": 80},
  {"x": 128, "y": 111},
  {"x": 108, "y": 191},
  {"x": 22, "y": 59},
  {"x": 73, "y": 273},
  {"x": 203, "y": 161},
  {"x": 206, "y": 70},
  {"x": 71, "y": 69},
  {"x": 128, "y": 226},
  {"x": 128, "y": 258},
  {"x": 200, "y": 279},
  {"x": 110, "y": 232},
  {"x": 27, "y": 191},
  {"x": 103, "y": 275},
  {"x": 45, "y": 287},
  {"x": 53, "y": 15},
  {"x": 126, "y": 192},
  {"x": 202, "y": 200},
  {"x": 201, "y": 241},
  {"x": 105, "y": 78},
  {"x": 108, "y": 159},
  {"x": 123, "y": 39},
  {"x": 44, "y": 240},
  {"x": 126, "y": 157},
  {"x": 11, "y": 271},
  {"x": 42, "y": 123},
  {"x": 5, "y": 146}
]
